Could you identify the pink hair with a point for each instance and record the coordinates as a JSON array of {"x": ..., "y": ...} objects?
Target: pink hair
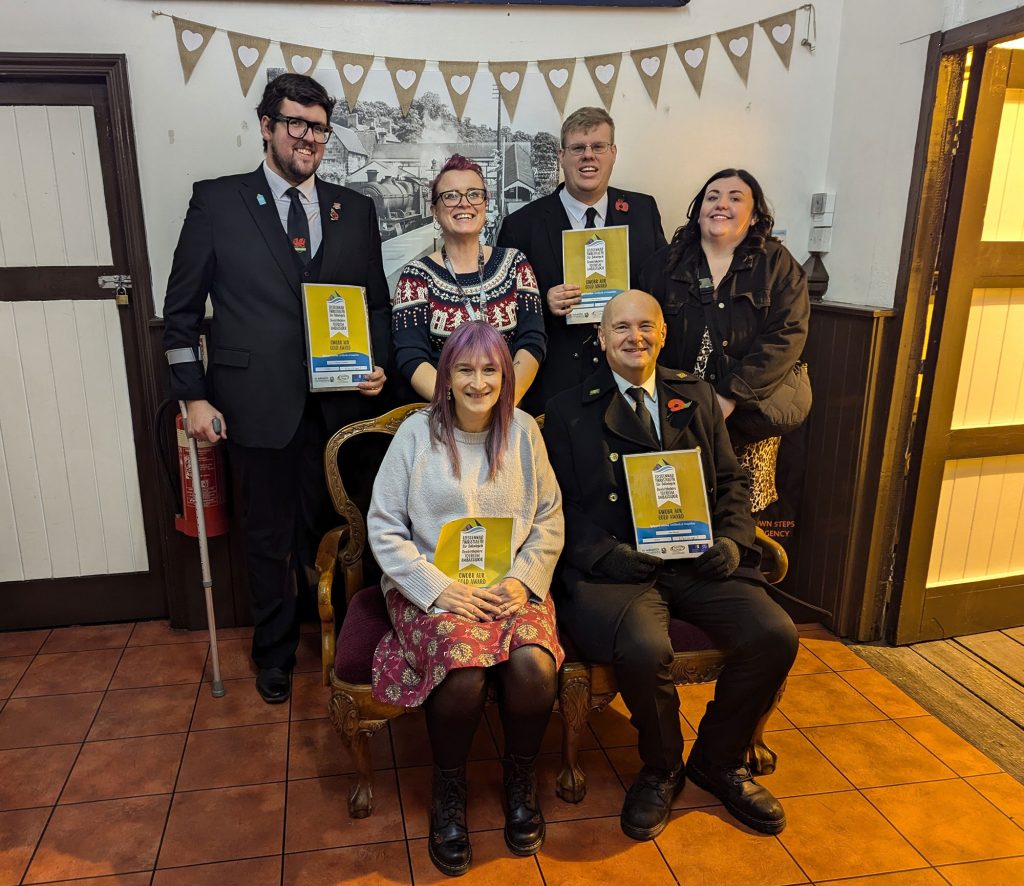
[
  {"x": 473, "y": 339},
  {"x": 456, "y": 163}
]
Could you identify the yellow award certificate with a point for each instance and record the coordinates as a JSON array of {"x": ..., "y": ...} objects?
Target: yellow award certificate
[
  {"x": 670, "y": 504},
  {"x": 337, "y": 336},
  {"x": 596, "y": 260},
  {"x": 475, "y": 550}
]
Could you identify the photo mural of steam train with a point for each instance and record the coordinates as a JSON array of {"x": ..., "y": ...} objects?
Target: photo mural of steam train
[{"x": 402, "y": 202}]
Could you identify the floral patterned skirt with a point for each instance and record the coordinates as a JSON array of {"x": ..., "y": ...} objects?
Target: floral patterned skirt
[{"x": 414, "y": 657}]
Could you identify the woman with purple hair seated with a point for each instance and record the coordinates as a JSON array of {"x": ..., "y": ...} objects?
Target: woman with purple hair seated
[{"x": 471, "y": 456}]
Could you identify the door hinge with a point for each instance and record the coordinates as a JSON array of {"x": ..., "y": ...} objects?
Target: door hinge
[{"x": 120, "y": 283}]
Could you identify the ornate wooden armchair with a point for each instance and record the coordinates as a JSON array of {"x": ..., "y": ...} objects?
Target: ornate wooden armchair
[{"x": 347, "y": 652}]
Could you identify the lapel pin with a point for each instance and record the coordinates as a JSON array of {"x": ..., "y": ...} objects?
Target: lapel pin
[
  {"x": 621, "y": 205},
  {"x": 676, "y": 405},
  {"x": 334, "y": 211},
  {"x": 594, "y": 391},
  {"x": 261, "y": 200}
]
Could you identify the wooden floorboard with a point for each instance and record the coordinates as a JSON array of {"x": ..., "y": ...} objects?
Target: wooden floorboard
[
  {"x": 1000, "y": 651},
  {"x": 1015, "y": 634},
  {"x": 994, "y": 734}
]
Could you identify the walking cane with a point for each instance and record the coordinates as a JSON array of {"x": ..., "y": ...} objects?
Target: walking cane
[{"x": 204, "y": 554}]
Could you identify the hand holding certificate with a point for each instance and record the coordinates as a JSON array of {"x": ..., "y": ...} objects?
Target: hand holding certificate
[
  {"x": 338, "y": 350},
  {"x": 476, "y": 553},
  {"x": 597, "y": 261}
]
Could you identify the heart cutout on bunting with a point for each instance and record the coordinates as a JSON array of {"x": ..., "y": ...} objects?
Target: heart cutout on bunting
[
  {"x": 739, "y": 46},
  {"x": 191, "y": 40},
  {"x": 604, "y": 73},
  {"x": 558, "y": 76},
  {"x": 650, "y": 65},
  {"x": 694, "y": 57},
  {"x": 352, "y": 73},
  {"x": 781, "y": 33},
  {"x": 299, "y": 59},
  {"x": 458, "y": 78},
  {"x": 460, "y": 83},
  {"x": 509, "y": 79},
  {"x": 405, "y": 78},
  {"x": 352, "y": 70},
  {"x": 248, "y": 55},
  {"x": 301, "y": 63},
  {"x": 780, "y": 29}
]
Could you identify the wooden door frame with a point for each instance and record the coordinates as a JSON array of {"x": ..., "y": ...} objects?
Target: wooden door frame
[{"x": 110, "y": 72}]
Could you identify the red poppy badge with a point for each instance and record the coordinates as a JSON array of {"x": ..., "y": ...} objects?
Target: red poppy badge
[
  {"x": 677, "y": 405},
  {"x": 621, "y": 205},
  {"x": 334, "y": 211}
]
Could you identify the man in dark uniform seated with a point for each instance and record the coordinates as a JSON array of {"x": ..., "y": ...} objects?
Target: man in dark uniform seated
[{"x": 616, "y": 602}]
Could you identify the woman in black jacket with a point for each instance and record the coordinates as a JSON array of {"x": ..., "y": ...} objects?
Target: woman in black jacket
[{"x": 753, "y": 301}]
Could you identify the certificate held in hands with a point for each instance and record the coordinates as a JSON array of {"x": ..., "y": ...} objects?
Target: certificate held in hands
[
  {"x": 670, "y": 504},
  {"x": 338, "y": 349},
  {"x": 597, "y": 261},
  {"x": 476, "y": 551}
]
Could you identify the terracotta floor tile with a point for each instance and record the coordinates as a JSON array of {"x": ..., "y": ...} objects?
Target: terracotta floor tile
[
  {"x": 807, "y": 663},
  {"x": 948, "y": 821},
  {"x": 957, "y": 753},
  {"x": 250, "y": 872},
  {"x": 126, "y": 767},
  {"x": 139, "y": 879},
  {"x": 412, "y": 745},
  {"x": 224, "y": 824},
  {"x": 920, "y": 877},
  {"x": 240, "y": 705},
  {"x": 1000, "y": 872},
  {"x": 19, "y": 833},
  {"x": 235, "y": 661},
  {"x": 800, "y": 768},
  {"x": 159, "y": 633},
  {"x": 309, "y": 696},
  {"x": 315, "y": 750},
  {"x": 875, "y": 754},
  {"x": 492, "y": 864},
  {"x": 484, "y": 794},
  {"x": 93, "y": 839},
  {"x": 307, "y": 655},
  {"x": 379, "y": 864},
  {"x": 34, "y": 776},
  {"x": 883, "y": 694},
  {"x": 627, "y": 763},
  {"x": 825, "y": 700},
  {"x": 1004, "y": 791},
  {"x": 80, "y": 639},
  {"x": 220, "y": 758},
  {"x": 605, "y": 792},
  {"x": 49, "y": 719},
  {"x": 22, "y": 642},
  {"x": 836, "y": 654},
  {"x": 318, "y": 813},
  {"x": 68, "y": 672},
  {"x": 710, "y": 846},
  {"x": 126, "y": 713},
  {"x": 11, "y": 671},
  {"x": 595, "y": 852},
  {"x": 842, "y": 835},
  {"x": 160, "y": 666}
]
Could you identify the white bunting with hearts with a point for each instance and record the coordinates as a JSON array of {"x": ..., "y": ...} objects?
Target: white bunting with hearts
[
  {"x": 300, "y": 59},
  {"x": 405, "y": 75},
  {"x": 193, "y": 38},
  {"x": 650, "y": 65},
  {"x": 248, "y": 52},
  {"x": 509, "y": 77},
  {"x": 352, "y": 69},
  {"x": 694, "y": 56},
  {"x": 458, "y": 78},
  {"x": 557, "y": 73},
  {"x": 604, "y": 71},
  {"x": 738, "y": 44},
  {"x": 780, "y": 30}
]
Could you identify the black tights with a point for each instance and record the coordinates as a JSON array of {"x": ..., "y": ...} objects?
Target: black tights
[{"x": 526, "y": 692}]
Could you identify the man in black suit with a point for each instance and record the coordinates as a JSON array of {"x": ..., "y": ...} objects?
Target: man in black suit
[
  {"x": 584, "y": 200},
  {"x": 249, "y": 242},
  {"x": 616, "y": 602}
]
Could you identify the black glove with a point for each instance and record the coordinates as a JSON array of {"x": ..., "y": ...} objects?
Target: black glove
[
  {"x": 718, "y": 561},
  {"x": 624, "y": 564}
]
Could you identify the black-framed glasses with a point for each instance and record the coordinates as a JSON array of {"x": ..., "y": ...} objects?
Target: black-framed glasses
[
  {"x": 297, "y": 128},
  {"x": 474, "y": 197},
  {"x": 596, "y": 147}
]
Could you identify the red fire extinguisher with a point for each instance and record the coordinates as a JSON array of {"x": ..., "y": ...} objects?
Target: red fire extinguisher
[{"x": 213, "y": 481}]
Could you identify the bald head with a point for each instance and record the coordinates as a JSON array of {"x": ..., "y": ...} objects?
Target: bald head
[{"x": 632, "y": 334}]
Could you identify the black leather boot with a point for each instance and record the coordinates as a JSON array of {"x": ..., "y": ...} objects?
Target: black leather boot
[
  {"x": 648, "y": 803},
  {"x": 524, "y": 822},
  {"x": 449, "y": 838},
  {"x": 750, "y": 802}
]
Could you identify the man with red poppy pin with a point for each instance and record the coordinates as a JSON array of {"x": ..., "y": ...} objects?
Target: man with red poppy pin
[
  {"x": 583, "y": 200},
  {"x": 616, "y": 602}
]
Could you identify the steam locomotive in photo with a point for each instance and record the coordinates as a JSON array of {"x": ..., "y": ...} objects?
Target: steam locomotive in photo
[{"x": 402, "y": 203}]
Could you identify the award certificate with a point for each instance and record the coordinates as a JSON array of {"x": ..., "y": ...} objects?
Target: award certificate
[
  {"x": 475, "y": 550},
  {"x": 338, "y": 350},
  {"x": 670, "y": 504},
  {"x": 596, "y": 260}
]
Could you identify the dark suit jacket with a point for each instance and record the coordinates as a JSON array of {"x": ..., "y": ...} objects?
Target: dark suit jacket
[
  {"x": 234, "y": 248},
  {"x": 587, "y": 431},
  {"x": 536, "y": 230}
]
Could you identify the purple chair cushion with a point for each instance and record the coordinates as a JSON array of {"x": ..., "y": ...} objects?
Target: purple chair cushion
[{"x": 366, "y": 621}]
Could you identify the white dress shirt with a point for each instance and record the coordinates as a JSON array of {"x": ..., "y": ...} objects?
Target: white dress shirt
[
  {"x": 310, "y": 202},
  {"x": 577, "y": 211},
  {"x": 650, "y": 396}
]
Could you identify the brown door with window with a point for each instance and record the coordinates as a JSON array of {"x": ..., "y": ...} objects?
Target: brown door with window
[{"x": 79, "y": 527}]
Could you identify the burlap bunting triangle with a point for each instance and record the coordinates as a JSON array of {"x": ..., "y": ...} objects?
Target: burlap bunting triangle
[
  {"x": 780, "y": 30},
  {"x": 405, "y": 75},
  {"x": 248, "y": 52},
  {"x": 192, "y": 39},
  {"x": 300, "y": 59},
  {"x": 604, "y": 71},
  {"x": 694, "y": 56},
  {"x": 738, "y": 44},
  {"x": 650, "y": 65},
  {"x": 558, "y": 76},
  {"x": 508, "y": 77},
  {"x": 458, "y": 78},
  {"x": 352, "y": 69}
]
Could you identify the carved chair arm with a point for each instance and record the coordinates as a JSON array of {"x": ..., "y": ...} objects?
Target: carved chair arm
[{"x": 326, "y": 563}]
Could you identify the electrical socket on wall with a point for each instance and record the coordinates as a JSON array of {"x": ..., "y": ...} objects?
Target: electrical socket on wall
[{"x": 820, "y": 240}]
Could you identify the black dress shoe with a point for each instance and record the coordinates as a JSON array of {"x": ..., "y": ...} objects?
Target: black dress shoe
[
  {"x": 649, "y": 801},
  {"x": 274, "y": 685},
  {"x": 750, "y": 802},
  {"x": 448, "y": 843},
  {"x": 524, "y": 822}
]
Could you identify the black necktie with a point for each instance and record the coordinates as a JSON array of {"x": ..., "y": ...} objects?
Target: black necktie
[
  {"x": 591, "y": 217},
  {"x": 642, "y": 412},
  {"x": 298, "y": 226}
]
